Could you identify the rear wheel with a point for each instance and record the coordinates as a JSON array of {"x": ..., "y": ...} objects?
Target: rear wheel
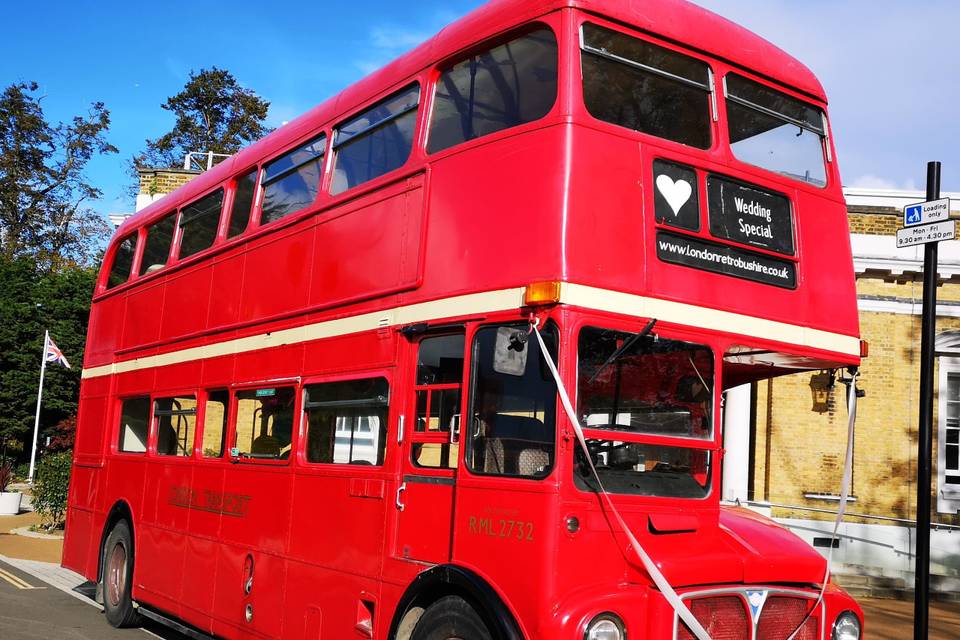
[
  {"x": 451, "y": 618},
  {"x": 118, "y": 576}
]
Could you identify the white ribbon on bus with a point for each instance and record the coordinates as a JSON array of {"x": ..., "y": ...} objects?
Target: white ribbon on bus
[
  {"x": 648, "y": 564},
  {"x": 658, "y": 578}
]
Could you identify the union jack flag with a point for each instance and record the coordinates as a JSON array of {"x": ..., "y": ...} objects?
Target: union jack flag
[{"x": 53, "y": 354}]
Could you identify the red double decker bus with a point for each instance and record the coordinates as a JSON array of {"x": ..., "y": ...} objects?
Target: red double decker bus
[{"x": 318, "y": 398}]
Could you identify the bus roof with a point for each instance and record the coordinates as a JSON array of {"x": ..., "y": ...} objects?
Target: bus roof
[{"x": 676, "y": 20}]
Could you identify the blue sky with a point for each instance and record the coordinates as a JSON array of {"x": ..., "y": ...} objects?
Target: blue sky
[{"x": 890, "y": 75}]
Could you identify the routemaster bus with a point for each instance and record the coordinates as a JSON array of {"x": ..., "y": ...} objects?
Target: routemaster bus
[{"x": 324, "y": 390}]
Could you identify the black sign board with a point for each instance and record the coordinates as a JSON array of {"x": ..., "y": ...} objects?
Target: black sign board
[
  {"x": 676, "y": 201},
  {"x": 749, "y": 215},
  {"x": 721, "y": 258}
]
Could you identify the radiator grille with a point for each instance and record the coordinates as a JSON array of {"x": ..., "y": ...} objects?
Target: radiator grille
[
  {"x": 781, "y": 615},
  {"x": 723, "y": 617}
]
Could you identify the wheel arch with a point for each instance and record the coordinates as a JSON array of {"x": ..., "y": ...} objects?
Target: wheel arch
[
  {"x": 119, "y": 511},
  {"x": 447, "y": 579}
]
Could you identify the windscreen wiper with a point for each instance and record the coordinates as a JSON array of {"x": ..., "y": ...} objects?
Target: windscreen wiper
[{"x": 622, "y": 349}]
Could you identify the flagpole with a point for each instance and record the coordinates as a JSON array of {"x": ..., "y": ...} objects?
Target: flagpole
[{"x": 36, "y": 422}]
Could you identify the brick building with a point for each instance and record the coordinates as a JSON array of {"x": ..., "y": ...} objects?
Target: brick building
[{"x": 786, "y": 437}]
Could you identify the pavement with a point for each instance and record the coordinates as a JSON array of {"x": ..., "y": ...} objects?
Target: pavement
[{"x": 39, "y": 599}]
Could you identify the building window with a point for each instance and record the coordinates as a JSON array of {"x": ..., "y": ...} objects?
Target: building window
[{"x": 948, "y": 424}]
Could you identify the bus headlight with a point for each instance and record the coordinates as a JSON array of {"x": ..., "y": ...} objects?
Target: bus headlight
[
  {"x": 606, "y": 626},
  {"x": 846, "y": 627}
]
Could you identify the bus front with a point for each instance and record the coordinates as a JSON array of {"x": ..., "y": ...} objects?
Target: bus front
[{"x": 706, "y": 248}]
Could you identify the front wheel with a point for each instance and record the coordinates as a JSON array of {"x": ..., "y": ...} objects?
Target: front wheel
[
  {"x": 117, "y": 576},
  {"x": 450, "y": 618}
]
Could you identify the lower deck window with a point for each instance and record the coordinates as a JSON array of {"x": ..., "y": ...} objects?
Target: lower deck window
[
  {"x": 514, "y": 404},
  {"x": 215, "y": 423},
  {"x": 644, "y": 469},
  {"x": 176, "y": 423},
  {"x": 134, "y": 425},
  {"x": 347, "y": 421},
  {"x": 264, "y": 426}
]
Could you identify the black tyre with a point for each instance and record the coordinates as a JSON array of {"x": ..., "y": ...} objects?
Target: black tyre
[
  {"x": 450, "y": 618},
  {"x": 117, "y": 577}
]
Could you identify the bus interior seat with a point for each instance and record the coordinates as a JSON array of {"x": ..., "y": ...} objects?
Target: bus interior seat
[
  {"x": 520, "y": 445},
  {"x": 532, "y": 462},
  {"x": 493, "y": 456}
]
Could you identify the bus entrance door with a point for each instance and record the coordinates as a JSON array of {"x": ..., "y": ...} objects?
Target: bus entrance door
[{"x": 431, "y": 447}]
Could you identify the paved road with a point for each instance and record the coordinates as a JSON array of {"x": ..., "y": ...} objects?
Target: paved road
[{"x": 30, "y": 609}]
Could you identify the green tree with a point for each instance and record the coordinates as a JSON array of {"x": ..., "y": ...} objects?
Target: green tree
[
  {"x": 213, "y": 113},
  {"x": 33, "y": 300},
  {"x": 44, "y": 195}
]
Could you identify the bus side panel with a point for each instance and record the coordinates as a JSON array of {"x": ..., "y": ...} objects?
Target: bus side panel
[
  {"x": 277, "y": 272},
  {"x": 104, "y": 329},
  {"x": 81, "y": 537},
  {"x": 258, "y": 527},
  {"x": 384, "y": 254},
  {"x": 142, "y": 315},
  {"x": 186, "y": 302},
  {"x": 167, "y": 496}
]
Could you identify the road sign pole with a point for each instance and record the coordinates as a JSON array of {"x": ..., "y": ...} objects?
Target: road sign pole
[{"x": 925, "y": 440}]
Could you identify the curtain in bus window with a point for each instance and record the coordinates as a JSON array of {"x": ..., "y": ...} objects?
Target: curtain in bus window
[
  {"x": 506, "y": 86},
  {"x": 375, "y": 142},
  {"x": 347, "y": 421},
  {"x": 246, "y": 188},
  {"x": 176, "y": 422},
  {"x": 134, "y": 425},
  {"x": 265, "y": 423},
  {"x": 157, "y": 248},
  {"x": 122, "y": 262},
  {"x": 292, "y": 181},
  {"x": 635, "y": 84},
  {"x": 514, "y": 400},
  {"x": 199, "y": 222}
]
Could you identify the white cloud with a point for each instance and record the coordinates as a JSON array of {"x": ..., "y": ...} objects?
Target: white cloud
[{"x": 869, "y": 181}]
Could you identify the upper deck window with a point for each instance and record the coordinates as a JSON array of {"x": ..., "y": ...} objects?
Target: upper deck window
[
  {"x": 773, "y": 131},
  {"x": 506, "y": 86},
  {"x": 244, "y": 192},
  {"x": 122, "y": 261},
  {"x": 157, "y": 249},
  {"x": 377, "y": 141},
  {"x": 645, "y": 87},
  {"x": 199, "y": 222},
  {"x": 292, "y": 181}
]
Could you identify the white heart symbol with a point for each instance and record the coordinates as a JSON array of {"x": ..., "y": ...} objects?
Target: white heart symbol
[{"x": 676, "y": 193}]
